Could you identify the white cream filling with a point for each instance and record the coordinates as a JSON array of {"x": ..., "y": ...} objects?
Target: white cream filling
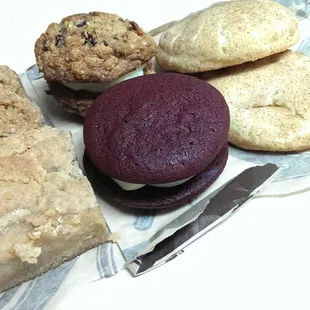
[
  {"x": 128, "y": 186},
  {"x": 132, "y": 186},
  {"x": 100, "y": 87}
]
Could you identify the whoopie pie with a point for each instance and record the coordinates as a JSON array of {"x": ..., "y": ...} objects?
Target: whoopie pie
[{"x": 156, "y": 141}]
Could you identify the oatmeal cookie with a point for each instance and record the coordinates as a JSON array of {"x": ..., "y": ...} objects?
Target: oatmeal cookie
[{"x": 94, "y": 47}]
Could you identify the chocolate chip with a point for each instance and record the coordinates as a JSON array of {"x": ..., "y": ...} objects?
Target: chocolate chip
[
  {"x": 134, "y": 25},
  {"x": 45, "y": 45},
  {"x": 136, "y": 28},
  {"x": 90, "y": 39},
  {"x": 59, "y": 39},
  {"x": 121, "y": 19},
  {"x": 81, "y": 24},
  {"x": 93, "y": 41},
  {"x": 105, "y": 43},
  {"x": 116, "y": 53}
]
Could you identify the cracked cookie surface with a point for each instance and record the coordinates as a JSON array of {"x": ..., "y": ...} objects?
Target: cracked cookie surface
[
  {"x": 94, "y": 47},
  {"x": 48, "y": 211},
  {"x": 47, "y": 206},
  {"x": 17, "y": 112},
  {"x": 227, "y": 34},
  {"x": 268, "y": 102},
  {"x": 10, "y": 82}
]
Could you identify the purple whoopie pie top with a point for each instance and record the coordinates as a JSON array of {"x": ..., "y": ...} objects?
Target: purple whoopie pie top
[{"x": 156, "y": 128}]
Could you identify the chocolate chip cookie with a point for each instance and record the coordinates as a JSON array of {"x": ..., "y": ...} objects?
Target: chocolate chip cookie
[
  {"x": 94, "y": 47},
  {"x": 91, "y": 48}
]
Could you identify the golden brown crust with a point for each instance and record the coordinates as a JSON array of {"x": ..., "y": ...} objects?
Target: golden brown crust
[
  {"x": 10, "y": 82},
  {"x": 48, "y": 212},
  {"x": 68, "y": 248},
  {"x": 94, "y": 47},
  {"x": 17, "y": 114}
]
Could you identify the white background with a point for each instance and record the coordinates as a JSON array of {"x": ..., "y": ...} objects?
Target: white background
[{"x": 258, "y": 259}]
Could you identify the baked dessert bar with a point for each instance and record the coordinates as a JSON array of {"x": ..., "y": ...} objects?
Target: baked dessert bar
[
  {"x": 48, "y": 211},
  {"x": 17, "y": 112},
  {"x": 9, "y": 81}
]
